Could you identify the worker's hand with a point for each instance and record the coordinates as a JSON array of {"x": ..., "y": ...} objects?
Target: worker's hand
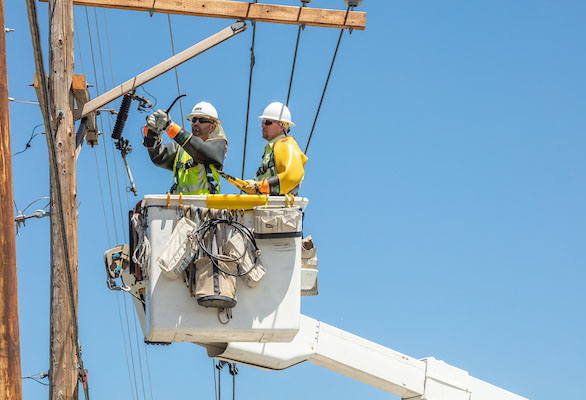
[
  {"x": 251, "y": 187},
  {"x": 152, "y": 138},
  {"x": 159, "y": 120}
]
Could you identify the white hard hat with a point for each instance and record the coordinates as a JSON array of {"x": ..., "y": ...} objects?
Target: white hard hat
[
  {"x": 277, "y": 112},
  {"x": 204, "y": 109}
]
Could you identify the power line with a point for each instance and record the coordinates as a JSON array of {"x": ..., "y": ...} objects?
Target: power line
[
  {"x": 28, "y": 143},
  {"x": 176, "y": 74},
  {"x": 328, "y": 79},
  {"x": 252, "y": 62},
  {"x": 111, "y": 199},
  {"x": 23, "y": 101}
]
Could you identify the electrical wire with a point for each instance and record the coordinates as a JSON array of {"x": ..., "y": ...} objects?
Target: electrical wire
[
  {"x": 327, "y": 80},
  {"x": 175, "y": 68},
  {"x": 252, "y": 62},
  {"x": 133, "y": 369},
  {"x": 23, "y": 101},
  {"x": 123, "y": 219},
  {"x": 101, "y": 121},
  {"x": 211, "y": 226},
  {"x": 295, "y": 55},
  {"x": 28, "y": 143},
  {"x": 109, "y": 120},
  {"x": 37, "y": 378}
]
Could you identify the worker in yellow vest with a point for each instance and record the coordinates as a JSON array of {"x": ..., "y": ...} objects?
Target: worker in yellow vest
[
  {"x": 281, "y": 170},
  {"x": 195, "y": 157}
]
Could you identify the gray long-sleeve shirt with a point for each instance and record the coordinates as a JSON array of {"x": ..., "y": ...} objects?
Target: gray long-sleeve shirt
[{"x": 211, "y": 151}]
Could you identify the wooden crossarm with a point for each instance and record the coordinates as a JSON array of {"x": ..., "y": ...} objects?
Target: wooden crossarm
[{"x": 240, "y": 10}]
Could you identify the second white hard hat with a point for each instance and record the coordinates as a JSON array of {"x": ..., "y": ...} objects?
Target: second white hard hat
[
  {"x": 277, "y": 112},
  {"x": 204, "y": 109}
]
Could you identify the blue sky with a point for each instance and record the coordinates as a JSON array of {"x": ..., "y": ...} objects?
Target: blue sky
[{"x": 445, "y": 177}]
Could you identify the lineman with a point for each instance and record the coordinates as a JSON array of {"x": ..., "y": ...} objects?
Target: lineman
[
  {"x": 281, "y": 171},
  {"x": 195, "y": 157}
]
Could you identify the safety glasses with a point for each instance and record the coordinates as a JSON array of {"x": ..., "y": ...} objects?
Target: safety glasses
[
  {"x": 201, "y": 120},
  {"x": 267, "y": 122}
]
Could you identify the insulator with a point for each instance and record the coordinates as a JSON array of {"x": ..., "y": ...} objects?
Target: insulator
[{"x": 122, "y": 116}]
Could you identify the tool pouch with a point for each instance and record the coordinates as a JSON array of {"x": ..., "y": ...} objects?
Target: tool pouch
[
  {"x": 179, "y": 251},
  {"x": 308, "y": 267},
  {"x": 273, "y": 222},
  {"x": 213, "y": 287},
  {"x": 249, "y": 268}
]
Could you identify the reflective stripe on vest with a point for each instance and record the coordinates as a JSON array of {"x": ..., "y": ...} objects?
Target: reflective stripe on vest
[{"x": 193, "y": 178}]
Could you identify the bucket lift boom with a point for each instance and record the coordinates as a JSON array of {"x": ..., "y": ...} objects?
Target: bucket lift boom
[
  {"x": 267, "y": 330},
  {"x": 365, "y": 361}
]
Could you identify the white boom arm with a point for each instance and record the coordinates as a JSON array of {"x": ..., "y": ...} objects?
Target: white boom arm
[{"x": 365, "y": 361}]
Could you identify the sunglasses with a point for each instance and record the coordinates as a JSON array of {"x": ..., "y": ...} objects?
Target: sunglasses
[
  {"x": 267, "y": 122},
  {"x": 201, "y": 120}
]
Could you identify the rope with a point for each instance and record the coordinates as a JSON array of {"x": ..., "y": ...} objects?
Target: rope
[
  {"x": 327, "y": 80},
  {"x": 252, "y": 62},
  {"x": 43, "y": 84},
  {"x": 142, "y": 250},
  {"x": 176, "y": 74}
]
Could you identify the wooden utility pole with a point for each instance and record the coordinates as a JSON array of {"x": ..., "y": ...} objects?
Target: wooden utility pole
[
  {"x": 10, "y": 385},
  {"x": 63, "y": 372}
]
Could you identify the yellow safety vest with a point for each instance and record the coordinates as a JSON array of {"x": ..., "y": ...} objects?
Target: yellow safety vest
[{"x": 192, "y": 177}]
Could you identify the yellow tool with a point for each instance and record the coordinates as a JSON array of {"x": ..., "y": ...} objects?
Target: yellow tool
[{"x": 239, "y": 183}]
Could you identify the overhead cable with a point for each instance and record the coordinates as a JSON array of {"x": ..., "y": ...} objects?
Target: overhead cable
[
  {"x": 175, "y": 68},
  {"x": 135, "y": 391},
  {"x": 328, "y": 79},
  {"x": 252, "y": 62},
  {"x": 23, "y": 101},
  {"x": 301, "y": 27},
  {"x": 28, "y": 143}
]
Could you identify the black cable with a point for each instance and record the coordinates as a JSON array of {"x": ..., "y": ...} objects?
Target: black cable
[
  {"x": 28, "y": 144},
  {"x": 233, "y": 371},
  {"x": 37, "y": 378},
  {"x": 252, "y": 62},
  {"x": 212, "y": 225},
  {"x": 155, "y": 103},
  {"x": 327, "y": 80},
  {"x": 295, "y": 56}
]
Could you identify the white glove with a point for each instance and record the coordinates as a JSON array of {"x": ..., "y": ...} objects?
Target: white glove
[
  {"x": 251, "y": 187},
  {"x": 159, "y": 120}
]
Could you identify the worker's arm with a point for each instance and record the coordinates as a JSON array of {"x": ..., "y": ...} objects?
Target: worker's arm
[
  {"x": 289, "y": 161},
  {"x": 212, "y": 151},
  {"x": 162, "y": 156}
]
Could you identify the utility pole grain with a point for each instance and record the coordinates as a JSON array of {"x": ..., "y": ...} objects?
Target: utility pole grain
[
  {"x": 63, "y": 373},
  {"x": 10, "y": 384}
]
